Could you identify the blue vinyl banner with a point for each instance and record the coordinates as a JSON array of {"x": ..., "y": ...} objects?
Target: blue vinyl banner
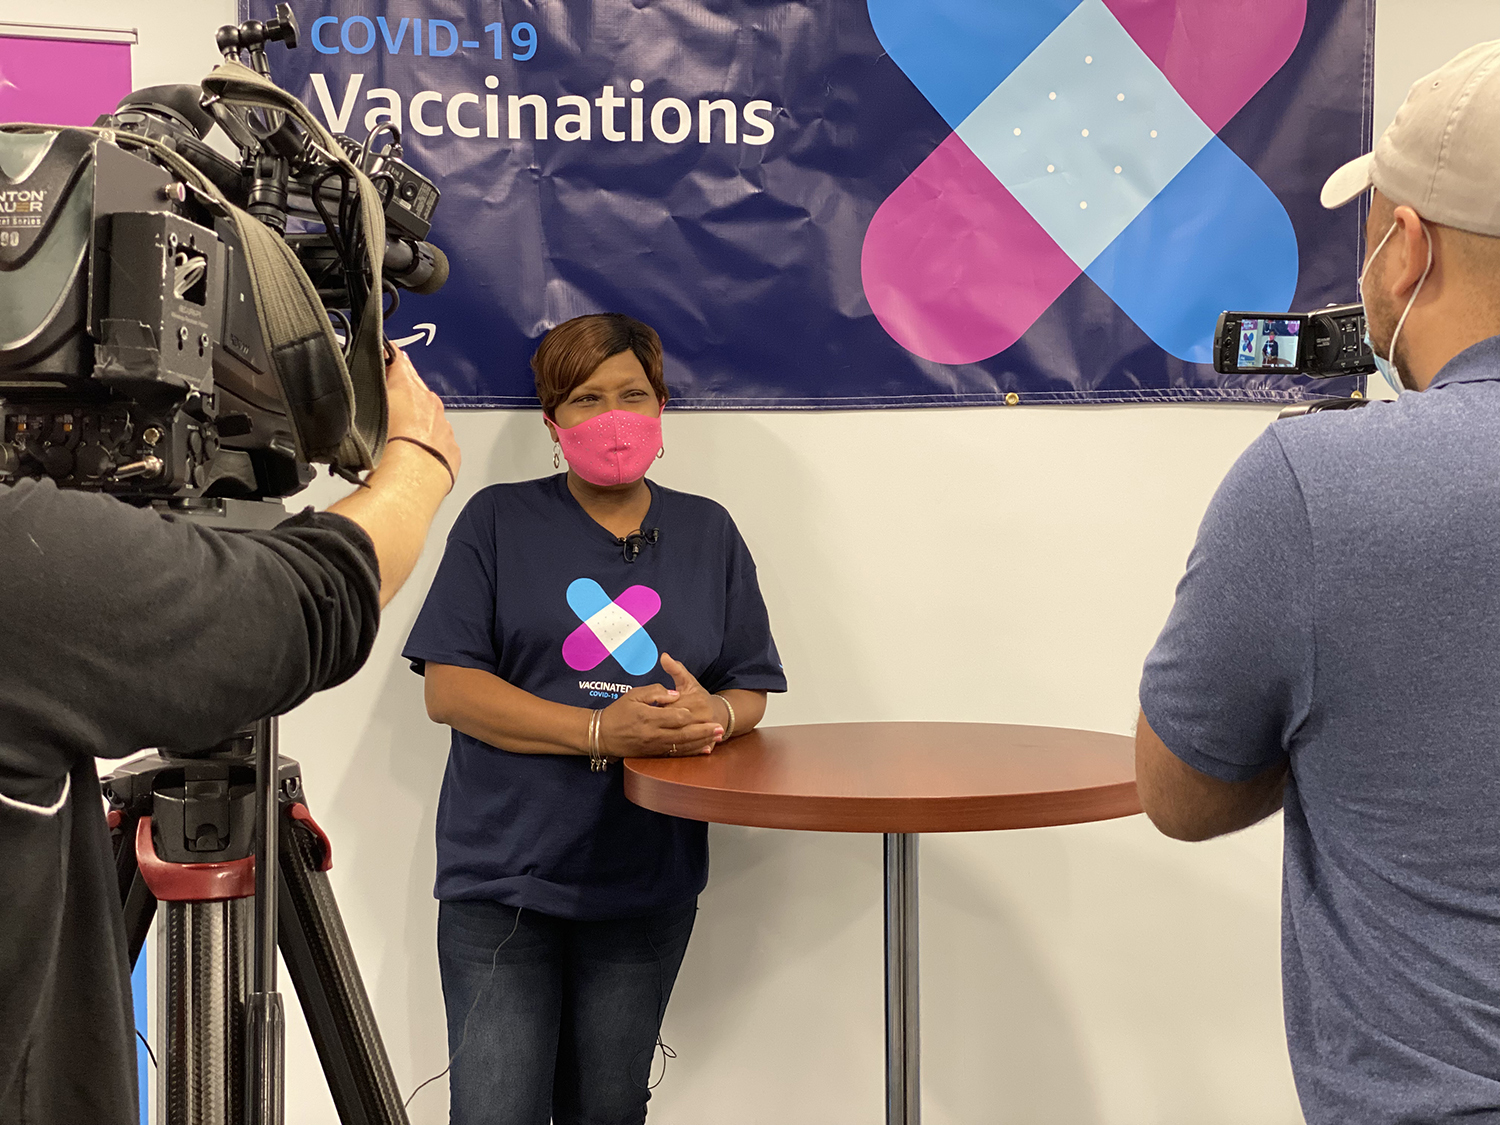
[{"x": 864, "y": 203}]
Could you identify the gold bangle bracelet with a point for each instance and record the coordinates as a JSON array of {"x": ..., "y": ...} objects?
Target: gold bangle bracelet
[
  {"x": 728, "y": 706},
  {"x": 598, "y": 763}
]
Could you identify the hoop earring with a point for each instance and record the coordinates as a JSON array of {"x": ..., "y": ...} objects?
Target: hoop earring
[
  {"x": 662, "y": 452},
  {"x": 556, "y": 455}
]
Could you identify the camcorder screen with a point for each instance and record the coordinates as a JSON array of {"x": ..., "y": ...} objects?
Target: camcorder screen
[{"x": 1268, "y": 345}]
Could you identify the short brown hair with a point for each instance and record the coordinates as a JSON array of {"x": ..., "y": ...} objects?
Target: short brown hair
[{"x": 572, "y": 351}]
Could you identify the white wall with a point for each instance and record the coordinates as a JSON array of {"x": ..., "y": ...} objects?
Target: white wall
[{"x": 1021, "y": 561}]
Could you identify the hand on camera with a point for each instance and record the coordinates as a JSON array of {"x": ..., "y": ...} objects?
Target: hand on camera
[
  {"x": 656, "y": 722},
  {"x": 415, "y": 412}
]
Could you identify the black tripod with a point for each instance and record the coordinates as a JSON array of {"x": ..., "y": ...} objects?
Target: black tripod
[{"x": 193, "y": 833}]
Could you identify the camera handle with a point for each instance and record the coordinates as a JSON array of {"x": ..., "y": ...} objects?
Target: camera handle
[{"x": 1317, "y": 406}]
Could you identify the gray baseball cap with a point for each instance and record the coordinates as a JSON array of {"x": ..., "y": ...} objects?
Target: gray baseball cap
[{"x": 1441, "y": 155}]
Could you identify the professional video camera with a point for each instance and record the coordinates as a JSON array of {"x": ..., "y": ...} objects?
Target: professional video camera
[{"x": 167, "y": 314}]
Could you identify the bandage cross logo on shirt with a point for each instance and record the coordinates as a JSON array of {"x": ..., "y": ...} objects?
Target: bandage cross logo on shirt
[{"x": 611, "y": 628}]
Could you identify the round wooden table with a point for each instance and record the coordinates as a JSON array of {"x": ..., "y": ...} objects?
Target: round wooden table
[{"x": 898, "y": 779}]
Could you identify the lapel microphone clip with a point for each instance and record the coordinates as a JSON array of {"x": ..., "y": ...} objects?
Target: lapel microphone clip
[{"x": 631, "y": 545}]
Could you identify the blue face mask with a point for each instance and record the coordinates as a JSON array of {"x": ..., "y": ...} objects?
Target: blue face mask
[{"x": 1384, "y": 366}]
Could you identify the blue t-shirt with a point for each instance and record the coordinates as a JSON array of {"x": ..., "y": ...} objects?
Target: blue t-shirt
[
  {"x": 534, "y": 591},
  {"x": 1341, "y": 609}
]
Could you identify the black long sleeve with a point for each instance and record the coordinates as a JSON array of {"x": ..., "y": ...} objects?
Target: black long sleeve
[{"x": 123, "y": 629}]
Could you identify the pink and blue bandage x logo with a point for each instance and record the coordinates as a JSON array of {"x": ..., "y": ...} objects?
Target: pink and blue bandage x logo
[
  {"x": 611, "y": 627},
  {"x": 1085, "y": 141}
]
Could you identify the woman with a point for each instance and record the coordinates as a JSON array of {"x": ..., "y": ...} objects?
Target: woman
[{"x": 577, "y": 620}]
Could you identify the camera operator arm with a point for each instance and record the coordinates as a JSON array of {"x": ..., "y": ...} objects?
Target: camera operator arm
[
  {"x": 402, "y": 494},
  {"x": 1188, "y": 805},
  {"x": 132, "y": 630},
  {"x": 1230, "y": 680}
]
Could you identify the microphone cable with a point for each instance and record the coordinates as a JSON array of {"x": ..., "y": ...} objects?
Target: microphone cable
[{"x": 464, "y": 1038}]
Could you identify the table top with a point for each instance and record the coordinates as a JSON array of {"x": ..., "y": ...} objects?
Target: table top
[{"x": 896, "y": 777}]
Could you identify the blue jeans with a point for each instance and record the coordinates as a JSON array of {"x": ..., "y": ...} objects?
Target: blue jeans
[{"x": 551, "y": 1019}]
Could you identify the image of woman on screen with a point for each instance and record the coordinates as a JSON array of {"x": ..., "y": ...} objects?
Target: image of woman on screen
[
  {"x": 1270, "y": 351},
  {"x": 577, "y": 620}
]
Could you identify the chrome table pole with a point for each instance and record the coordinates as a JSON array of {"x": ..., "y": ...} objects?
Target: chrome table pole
[{"x": 903, "y": 1016}]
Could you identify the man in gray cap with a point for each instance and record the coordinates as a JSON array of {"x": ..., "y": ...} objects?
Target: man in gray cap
[{"x": 1334, "y": 650}]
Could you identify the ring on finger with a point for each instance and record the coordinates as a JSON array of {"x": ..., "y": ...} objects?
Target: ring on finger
[{"x": 673, "y": 751}]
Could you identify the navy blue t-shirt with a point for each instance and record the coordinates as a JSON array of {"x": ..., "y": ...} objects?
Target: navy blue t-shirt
[
  {"x": 1341, "y": 612},
  {"x": 532, "y": 590}
]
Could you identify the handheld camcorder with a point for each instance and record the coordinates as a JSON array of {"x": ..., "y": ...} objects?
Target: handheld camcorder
[
  {"x": 1323, "y": 344},
  {"x": 168, "y": 314}
]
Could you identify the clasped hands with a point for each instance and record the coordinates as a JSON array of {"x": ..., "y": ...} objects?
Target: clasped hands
[{"x": 657, "y": 721}]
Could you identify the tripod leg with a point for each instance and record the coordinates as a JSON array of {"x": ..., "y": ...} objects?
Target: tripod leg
[
  {"x": 136, "y": 899},
  {"x": 140, "y": 909},
  {"x": 332, "y": 993},
  {"x": 203, "y": 954},
  {"x": 265, "y": 1035}
]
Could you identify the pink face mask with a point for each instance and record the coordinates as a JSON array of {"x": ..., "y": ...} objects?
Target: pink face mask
[{"x": 613, "y": 448}]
